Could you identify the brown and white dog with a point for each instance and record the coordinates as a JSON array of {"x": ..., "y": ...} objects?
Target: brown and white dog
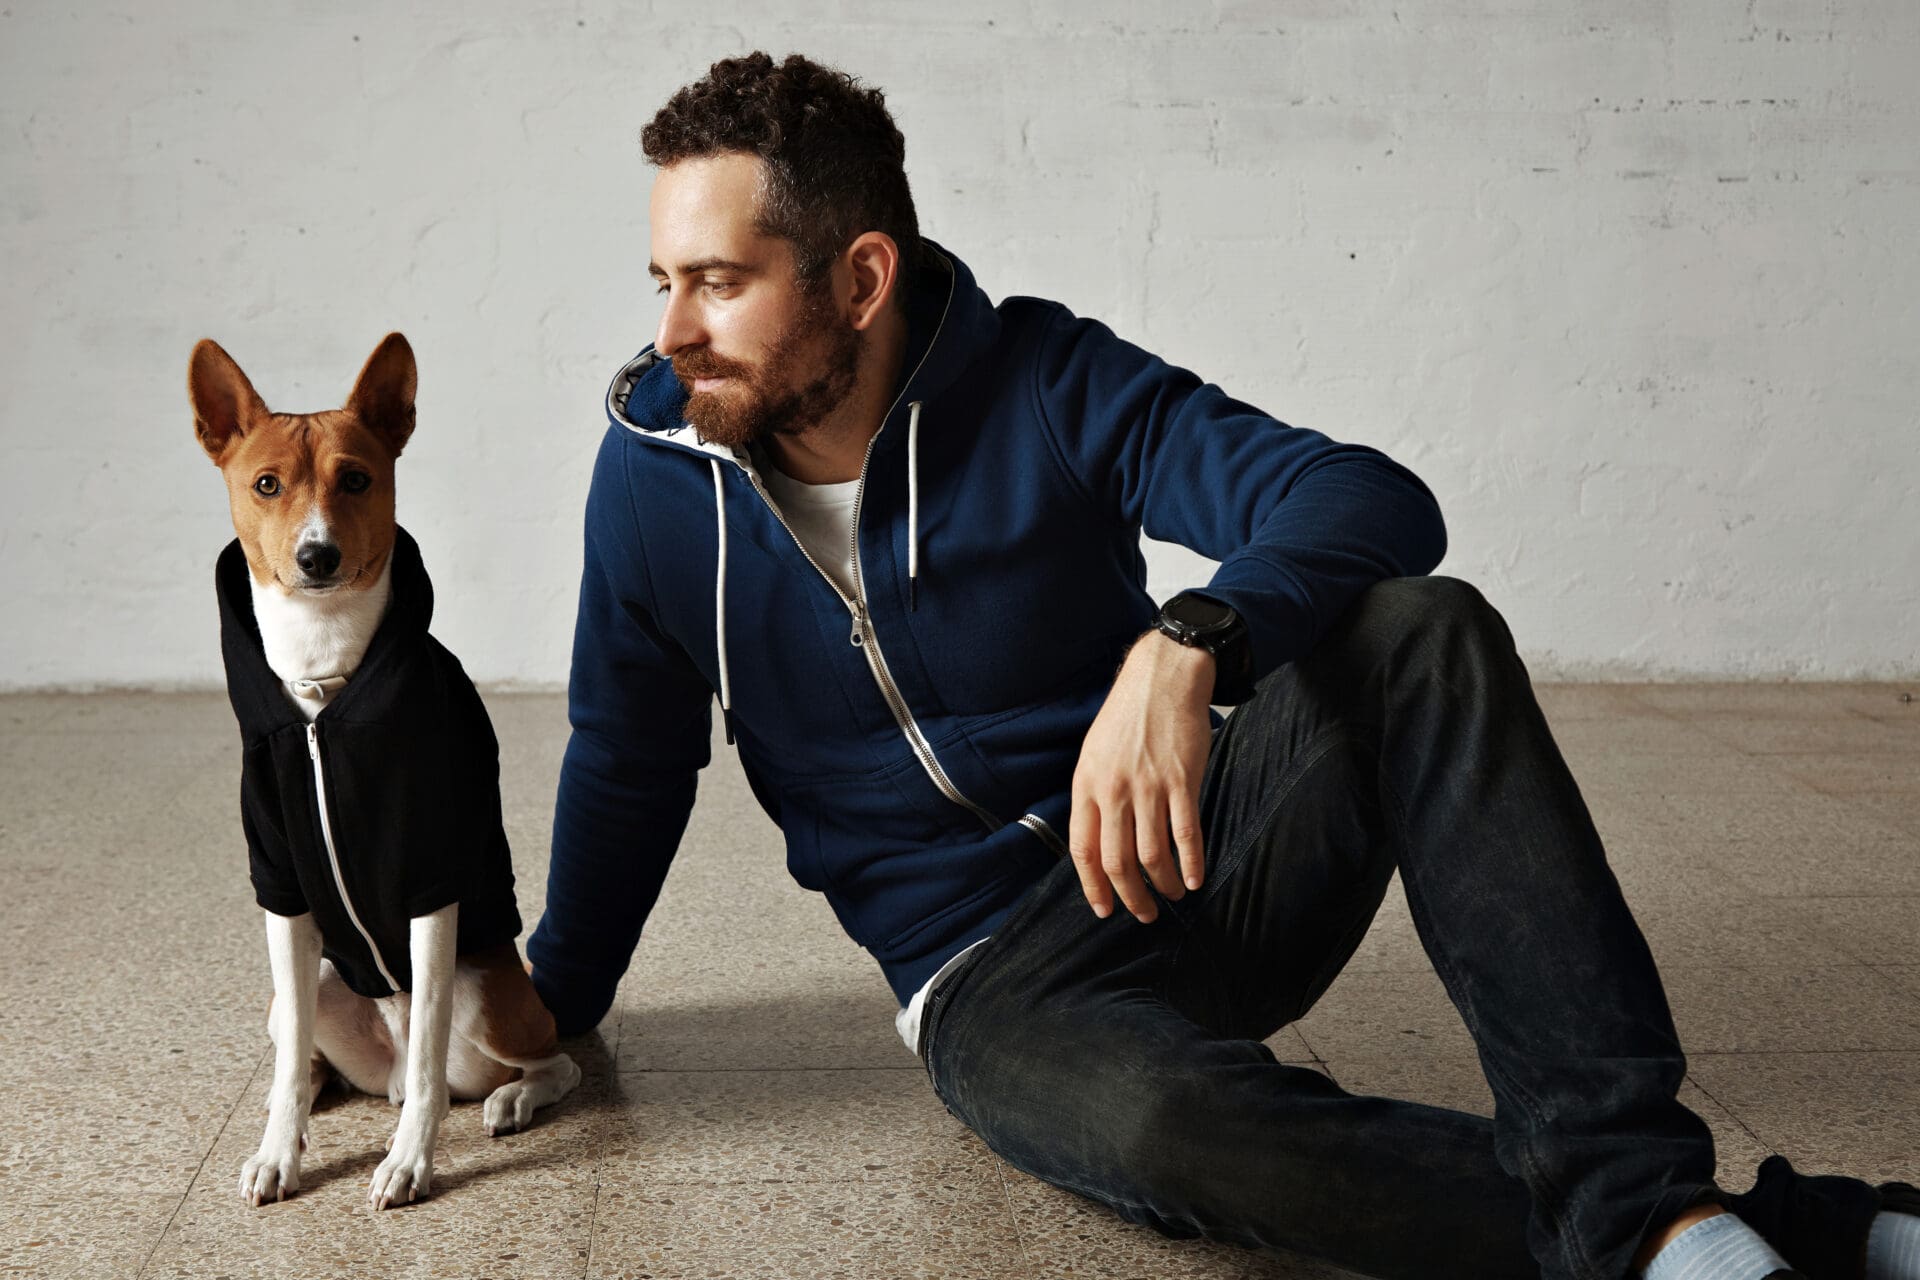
[{"x": 313, "y": 507}]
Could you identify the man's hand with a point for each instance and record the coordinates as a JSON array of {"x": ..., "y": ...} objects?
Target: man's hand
[{"x": 1139, "y": 780}]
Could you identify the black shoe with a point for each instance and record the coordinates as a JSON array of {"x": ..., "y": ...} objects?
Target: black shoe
[
  {"x": 1817, "y": 1222},
  {"x": 1900, "y": 1197}
]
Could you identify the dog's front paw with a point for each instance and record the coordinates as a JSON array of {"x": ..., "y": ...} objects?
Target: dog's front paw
[
  {"x": 273, "y": 1173},
  {"x": 405, "y": 1175},
  {"x": 508, "y": 1109}
]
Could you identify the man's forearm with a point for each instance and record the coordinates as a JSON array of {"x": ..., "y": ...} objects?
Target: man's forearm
[{"x": 613, "y": 841}]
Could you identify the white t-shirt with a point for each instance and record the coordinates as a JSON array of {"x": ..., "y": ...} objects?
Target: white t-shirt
[{"x": 821, "y": 516}]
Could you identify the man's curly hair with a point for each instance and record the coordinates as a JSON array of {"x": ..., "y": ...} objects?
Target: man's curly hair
[{"x": 835, "y": 161}]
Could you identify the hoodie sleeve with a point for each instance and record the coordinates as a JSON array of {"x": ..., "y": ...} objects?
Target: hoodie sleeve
[
  {"x": 276, "y": 887},
  {"x": 470, "y": 863},
  {"x": 1300, "y": 524},
  {"x": 642, "y": 722}
]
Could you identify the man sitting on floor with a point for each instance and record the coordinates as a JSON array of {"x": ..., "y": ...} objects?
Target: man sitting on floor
[{"x": 896, "y": 529}]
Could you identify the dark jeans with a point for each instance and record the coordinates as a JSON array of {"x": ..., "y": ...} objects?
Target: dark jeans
[{"x": 1124, "y": 1061}]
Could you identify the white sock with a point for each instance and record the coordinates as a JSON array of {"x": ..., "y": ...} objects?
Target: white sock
[
  {"x": 1718, "y": 1248},
  {"x": 1893, "y": 1247}
]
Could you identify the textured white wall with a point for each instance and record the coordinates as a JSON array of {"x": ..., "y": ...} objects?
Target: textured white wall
[{"x": 1632, "y": 284}]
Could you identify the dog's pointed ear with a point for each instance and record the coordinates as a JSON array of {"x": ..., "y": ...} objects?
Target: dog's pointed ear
[
  {"x": 383, "y": 394},
  {"x": 225, "y": 405}
]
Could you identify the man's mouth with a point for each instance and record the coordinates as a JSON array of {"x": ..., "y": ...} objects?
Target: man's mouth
[{"x": 707, "y": 384}]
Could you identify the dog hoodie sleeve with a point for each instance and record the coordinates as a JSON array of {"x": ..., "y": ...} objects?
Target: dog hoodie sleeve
[
  {"x": 269, "y": 860},
  {"x": 470, "y": 861}
]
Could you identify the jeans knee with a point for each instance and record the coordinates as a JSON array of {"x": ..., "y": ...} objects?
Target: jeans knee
[
  {"x": 1432, "y": 620},
  {"x": 1425, "y": 601}
]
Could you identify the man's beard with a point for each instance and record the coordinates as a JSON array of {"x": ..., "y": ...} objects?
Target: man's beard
[{"x": 757, "y": 403}]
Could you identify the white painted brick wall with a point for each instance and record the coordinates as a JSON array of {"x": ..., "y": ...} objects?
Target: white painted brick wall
[{"x": 1633, "y": 284}]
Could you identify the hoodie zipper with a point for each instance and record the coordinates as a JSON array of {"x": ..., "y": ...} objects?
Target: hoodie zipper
[
  {"x": 863, "y": 625},
  {"x": 863, "y": 636},
  {"x": 864, "y": 639},
  {"x": 333, "y": 855},
  {"x": 1040, "y": 827}
]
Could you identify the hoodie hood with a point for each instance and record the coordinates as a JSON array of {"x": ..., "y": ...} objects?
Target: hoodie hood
[
  {"x": 950, "y": 323},
  {"x": 259, "y": 701}
]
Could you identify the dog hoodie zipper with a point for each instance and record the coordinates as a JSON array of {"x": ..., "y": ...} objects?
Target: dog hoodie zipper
[{"x": 333, "y": 854}]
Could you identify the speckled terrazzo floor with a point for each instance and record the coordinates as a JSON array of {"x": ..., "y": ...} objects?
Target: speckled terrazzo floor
[{"x": 747, "y": 1110}]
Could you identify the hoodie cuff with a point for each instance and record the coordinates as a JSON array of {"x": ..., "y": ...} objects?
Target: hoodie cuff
[{"x": 577, "y": 1006}]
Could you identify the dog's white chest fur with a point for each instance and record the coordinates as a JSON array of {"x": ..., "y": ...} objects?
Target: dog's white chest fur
[{"x": 313, "y": 641}]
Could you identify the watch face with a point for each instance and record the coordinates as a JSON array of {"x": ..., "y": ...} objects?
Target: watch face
[{"x": 1198, "y": 612}]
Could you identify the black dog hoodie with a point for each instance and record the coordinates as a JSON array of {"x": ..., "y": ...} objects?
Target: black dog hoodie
[{"x": 387, "y": 806}]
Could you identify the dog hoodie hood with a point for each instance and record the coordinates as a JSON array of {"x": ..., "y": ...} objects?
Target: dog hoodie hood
[{"x": 387, "y": 806}]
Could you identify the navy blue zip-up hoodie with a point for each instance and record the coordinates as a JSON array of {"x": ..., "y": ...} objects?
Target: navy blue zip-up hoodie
[{"x": 916, "y": 743}]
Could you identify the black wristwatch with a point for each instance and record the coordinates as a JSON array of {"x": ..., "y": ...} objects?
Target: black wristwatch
[{"x": 1204, "y": 623}]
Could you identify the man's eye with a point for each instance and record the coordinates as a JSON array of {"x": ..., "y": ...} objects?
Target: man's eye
[
  {"x": 711, "y": 286},
  {"x": 355, "y": 482}
]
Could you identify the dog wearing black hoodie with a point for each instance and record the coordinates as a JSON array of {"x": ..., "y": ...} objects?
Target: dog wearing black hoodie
[{"x": 370, "y": 789}]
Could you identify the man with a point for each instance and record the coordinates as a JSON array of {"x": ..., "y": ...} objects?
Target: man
[{"x": 896, "y": 530}]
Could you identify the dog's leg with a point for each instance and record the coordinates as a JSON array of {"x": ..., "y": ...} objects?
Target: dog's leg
[
  {"x": 293, "y": 950},
  {"x": 350, "y": 1032},
  {"x": 407, "y": 1172},
  {"x": 501, "y": 1014}
]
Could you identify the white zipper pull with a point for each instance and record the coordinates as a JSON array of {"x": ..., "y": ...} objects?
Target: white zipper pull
[
  {"x": 859, "y": 626},
  {"x": 313, "y": 741}
]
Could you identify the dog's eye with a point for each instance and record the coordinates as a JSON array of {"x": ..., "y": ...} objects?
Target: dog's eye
[
  {"x": 355, "y": 481},
  {"x": 267, "y": 486}
]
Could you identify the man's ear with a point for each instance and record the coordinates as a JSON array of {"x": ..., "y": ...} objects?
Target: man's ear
[
  {"x": 874, "y": 260},
  {"x": 225, "y": 405},
  {"x": 383, "y": 394}
]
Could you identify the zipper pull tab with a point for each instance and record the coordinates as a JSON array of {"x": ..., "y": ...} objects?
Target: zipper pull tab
[
  {"x": 859, "y": 626},
  {"x": 313, "y": 741}
]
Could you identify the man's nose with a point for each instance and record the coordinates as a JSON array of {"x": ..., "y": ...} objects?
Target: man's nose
[{"x": 679, "y": 326}]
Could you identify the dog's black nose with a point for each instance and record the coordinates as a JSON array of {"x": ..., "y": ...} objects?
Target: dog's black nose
[{"x": 317, "y": 559}]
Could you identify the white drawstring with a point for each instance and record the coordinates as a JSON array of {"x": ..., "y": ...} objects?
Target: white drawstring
[
  {"x": 913, "y": 505},
  {"x": 720, "y": 597},
  {"x": 320, "y": 689}
]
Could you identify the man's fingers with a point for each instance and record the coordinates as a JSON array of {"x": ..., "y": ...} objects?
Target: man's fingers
[
  {"x": 1185, "y": 815},
  {"x": 1083, "y": 844},
  {"x": 1121, "y": 862},
  {"x": 1155, "y": 850}
]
